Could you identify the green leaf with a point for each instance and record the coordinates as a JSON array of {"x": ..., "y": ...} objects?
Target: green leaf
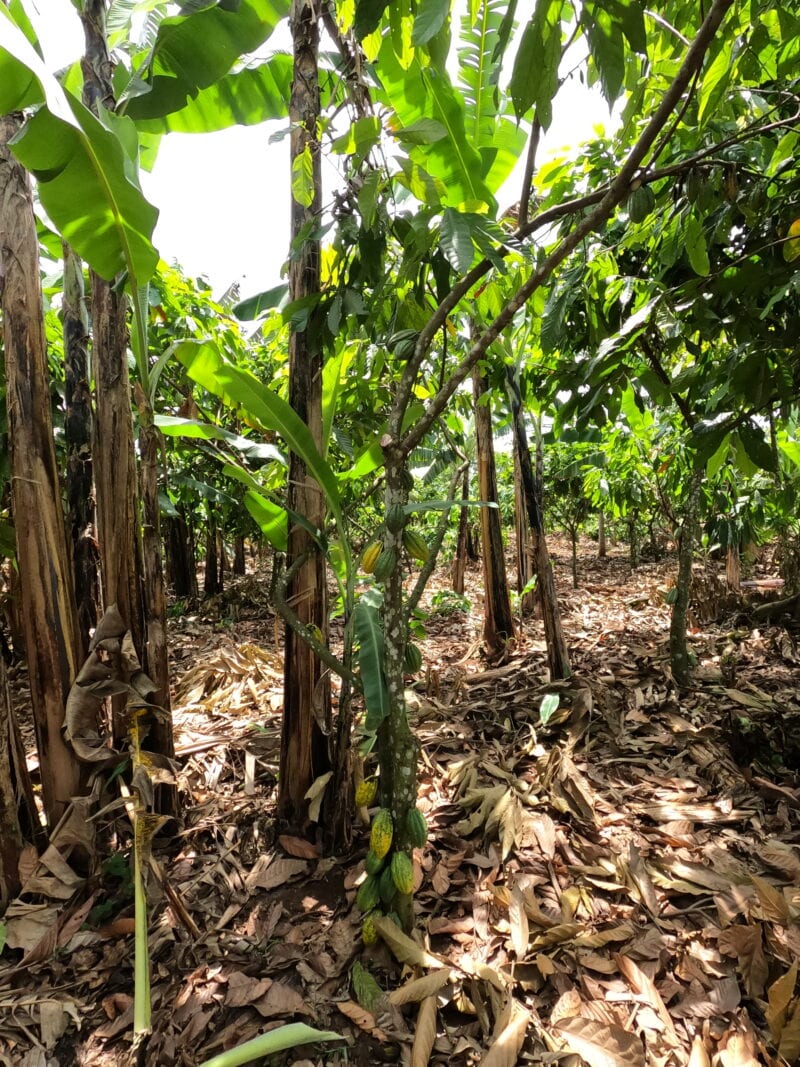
[
  {"x": 272, "y": 520},
  {"x": 252, "y": 308},
  {"x": 431, "y": 16},
  {"x": 534, "y": 80},
  {"x": 716, "y": 78},
  {"x": 303, "y": 189},
  {"x": 606, "y": 47},
  {"x": 194, "y": 51},
  {"x": 456, "y": 240},
  {"x": 371, "y": 653},
  {"x": 757, "y": 447},
  {"x": 791, "y": 247},
  {"x": 368, "y": 16},
  {"x": 240, "y": 389},
  {"x": 548, "y": 707},
  {"x": 696, "y": 246},
  {"x": 87, "y": 181},
  {"x": 283, "y": 1037},
  {"x": 368, "y": 992},
  {"x": 174, "y": 426},
  {"x": 244, "y": 98}
]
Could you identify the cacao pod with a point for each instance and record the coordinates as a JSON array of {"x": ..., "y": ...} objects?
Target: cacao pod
[
  {"x": 368, "y": 894},
  {"x": 416, "y": 828},
  {"x": 395, "y": 518},
  {"x": 415, "y": 545},
  {"x": 369, "y": 935},
  {"x": 366, "y": 793},
  {"x": 372, "y": 863},
  {"x": 370, "y": 555},
  {"x": 382, "y": 832},
  {"x": 387, "y": 561},
  {"x": 412, "y": 658},
  {"x": 640, "y": 203},
  {"x": 402, "y": 870},
  {"x": 386, "y": 887}
]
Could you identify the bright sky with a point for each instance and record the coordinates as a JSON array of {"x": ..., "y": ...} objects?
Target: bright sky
[{"x": 224, "y": 197}]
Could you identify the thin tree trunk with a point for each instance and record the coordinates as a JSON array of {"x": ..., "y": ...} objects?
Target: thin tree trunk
[
  {"x": 305, "y": 751},
  {"x": 78, "y": 439},
  {"x": 633, "y": 540},
  {"x": 557, "y": 653},
  {"x": 573, "y": 534},
  {"x": 602, "y": 548},
  {"x": 525, "y": 562},
  {"x": 239, "y": 568},
  {"x": 460, "y": 558},
  {"x": 52, "y": 640},
  {"x": 211, "y": 579},
  {"x": 180, "y": 557},
  {"x": 498, "y": 622},
  {"x": 733, "y": 568},
  {"x": 678, "y": 648}
]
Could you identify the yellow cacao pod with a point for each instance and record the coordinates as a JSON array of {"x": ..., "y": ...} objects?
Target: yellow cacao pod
[
  {"x": 366, "y": 793},
  {"x": 415, "y": 545},
  {"x": 403, "y": 872},
  {"x": 382, "y": 832},
  {"x": 369, "y": 556}
]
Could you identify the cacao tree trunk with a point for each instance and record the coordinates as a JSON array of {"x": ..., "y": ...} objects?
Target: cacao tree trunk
[
  {"x": 602, "y": 548},
  {"x": 460, "y": 558},
  {"x": 557, "y": 653},
  {"x": 733, "y": 568},
  {"x": 678, "y": 647},
  {"x": 305, "y": 751},
  {"x": 239, "y": 568},
  {"x": 49, "y": 620},
  {"x": 525, "y": 562},
  {"x": 19, "y": 821},
  {"x": 78, "y": 439},
  {"x": 212, "y": 584},
  {"x": 180, "y": 558},
  {"x": 498, "y": 622}
]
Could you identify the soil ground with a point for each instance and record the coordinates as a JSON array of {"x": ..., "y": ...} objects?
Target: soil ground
[{"x": 617, "y": 885}]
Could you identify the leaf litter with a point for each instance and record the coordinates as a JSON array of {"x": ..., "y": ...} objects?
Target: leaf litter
[{"x": 615, "y": 883}]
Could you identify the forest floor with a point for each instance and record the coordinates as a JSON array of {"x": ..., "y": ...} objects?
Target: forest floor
[{"x": 618, "y": 886}]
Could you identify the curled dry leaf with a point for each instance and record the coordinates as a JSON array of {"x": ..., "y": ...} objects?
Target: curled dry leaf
[
  {"x": 425, "y": 1034},
  {"x": 403, "y": 948},
  {"x": 363, "y": 1019},
  {"x": 506, "y": 1048},
  {"x": 698, "y": 1056},
  {"x": 420, "y": 988},
  {"x": 601, "y": 1045},
  {"x": 780, "y": 995}
]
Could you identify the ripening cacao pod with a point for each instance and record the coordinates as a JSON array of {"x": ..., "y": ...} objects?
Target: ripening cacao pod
[
  {"x": 416, "y": 828},
  {"x": 387, "y": 561},
  {"x": 368, "y": 894},
  {"x": 370, "y": 555},
  {"x": 412, "y": 658},
  {"x": 369, "y": 935},
  {"x": 402, "y": 872},
  {"x": 372, "y": 863},
  {"x": 415, "y": 545},
  {"x": 366, "y": 793},
  {"x": 382, "y": 832}
]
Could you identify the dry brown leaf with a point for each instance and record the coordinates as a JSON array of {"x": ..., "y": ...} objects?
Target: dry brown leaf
[
  {"x": 243, "y": 990},
  {"x": 425, "y": 1034},
  {"x": 270, "y": 871},
  {"x": 781, "y": 857},
  {"x": 298, "y": 847},
  {"x": 505, "y": 1049},
  {"x": 643, "y": 985},
  {"x": 556, "y": 935},
  {"x": 601, "y": 1045},
  {"x": 363, "y": 1019},
  {"x": 772, "y": 901},
  {"x": 698, "y": 1056},
  {"x": 568, "y": 1006},
  {"x": 545, "y": 830},
  {"x": 780, "y": 995},
  {"x": 623, "y": 932},
  {"x": 789, "y": 1044},
  {"x": 739, "y": 1052},
  {"x": 640, "y": 877},
  {"x": 403, "y": 948},
  {"x": 745, "y": 945},
  {"x": 518, "y": 919},
  {"x": 281, "y": 999},
  {"x": 420, "y": 988}
]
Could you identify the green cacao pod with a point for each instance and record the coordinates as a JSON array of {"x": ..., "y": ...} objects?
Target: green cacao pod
[
  {"x": 372, "y": 863},
  {"x": 640, "y": 203},
  {"x": 368, "y": 894},
  {"x": 415, "y": 545},
  {"x": 387, "y": 561},
  {"x": 382, "y": 832},
  {"x": 387, "y": 890},
  {"x": 402, "y": 872},
  {"x": 416, "y": 828},
  {"x": 403, "y": 343},
  {"x": 412, "y": 658},
  {"x": 366, "y": 793},
  {"x": 369, "y": 935},
  {"x": 369, "y": 556},
  {"x": 395, "y": 518}
]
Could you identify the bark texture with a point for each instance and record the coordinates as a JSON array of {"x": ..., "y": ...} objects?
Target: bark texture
[
  {"x": 602, "y": 547},
  {"x": 678, "y": 647},
  {"x": 78, "y": 439},
  {"x": 498, "y": 622},
  {"x": 306, "y": 712},
  {"x": 524, "y": 546},
  {"x": 52, "y": 642},
  {"x": 19, "y": 821},
  {"x": 462, "y": 540}
]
